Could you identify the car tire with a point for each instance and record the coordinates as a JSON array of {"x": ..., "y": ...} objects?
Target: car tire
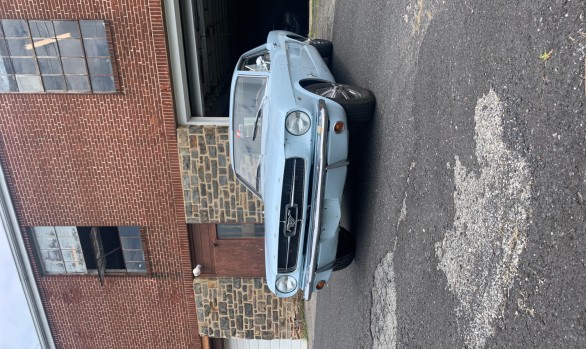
[
  {"x": 346, "y": 250},
  {"x": 325, "y": 48},
  {"x": 358, "y": 102}
]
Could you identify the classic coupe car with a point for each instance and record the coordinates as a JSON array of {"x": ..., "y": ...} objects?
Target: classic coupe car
[{"x": 289, "y": 146}]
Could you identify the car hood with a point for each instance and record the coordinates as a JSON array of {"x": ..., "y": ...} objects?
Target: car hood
[{"x": 279, "y": 103}]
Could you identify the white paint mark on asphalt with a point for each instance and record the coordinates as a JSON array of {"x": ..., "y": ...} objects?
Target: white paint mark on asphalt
[
  {"x": 383, "y": 317},
  {"x": 403, "y": 212},
  {"x": 481, "y": 253}
]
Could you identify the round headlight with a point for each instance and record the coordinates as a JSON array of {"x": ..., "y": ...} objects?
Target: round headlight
[
  {"x": 297, "y": 123},
  {"x": 286, "y": 284}
]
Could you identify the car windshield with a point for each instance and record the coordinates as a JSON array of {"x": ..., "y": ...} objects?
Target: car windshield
[{"x": 249, "y": 95}]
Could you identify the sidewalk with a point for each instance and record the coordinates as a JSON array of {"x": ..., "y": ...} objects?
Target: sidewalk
[
  {"x": 321, "y": 18},
  {"x": 310, "y": 319}
]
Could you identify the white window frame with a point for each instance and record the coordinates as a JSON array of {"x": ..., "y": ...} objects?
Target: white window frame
[{"x": 185, "y": 115}]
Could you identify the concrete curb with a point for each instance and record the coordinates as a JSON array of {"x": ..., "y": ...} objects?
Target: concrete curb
[{"x": 310, "y": 320}]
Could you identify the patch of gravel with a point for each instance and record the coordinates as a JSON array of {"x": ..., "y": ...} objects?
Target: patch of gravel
[
  {"x": 383, "y": 322},
  {"x": 480, "y": 255}
]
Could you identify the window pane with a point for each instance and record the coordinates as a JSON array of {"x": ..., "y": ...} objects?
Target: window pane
[
  {"x": 136, "y": 267},
  {"x": 29, "y": 83},
  {"x": 86, "y": 246},
  {"x": 52, "y": 255},
  {"x": 41, "y": 29},
  {"x": 48, "y": 249},
  {"x": 8, "y": 83},
  {"x": 100, "y": 66},
  {"x": 112, "y": 249},
  {"x": 131, "y": 243},
  {"x": 50, "y": 66},
  {"x": 4, "y": 48},
  {"x": 54, "y": 83},
  {"x": 52, "y": 267},
  {"x": 45, "y": 48},
  {"x": 129, "y": 232},
  {"x": 6, "y": 66},
  {"x": 67, "y": 27},
  {"x": 103, "y": 83},
  {"x": 132, "y": 249},
  {"x": 77, "y": 83},
  {"x": 20, "y": 47},
  {"x": 92, "y": 29},
  {"x": 45, "y": 232},
  {"x": 70, "y": 247},
  {"x": 15, "y": 28},
  {"x": 240, "y": 231},
  {"x": 25, "y": 65},
  {"x": 74, "y": 66},
  {"x": 1, "y": 31},
  {"x": 96, "y": 47},
  {"x": 70, "y": 48}
]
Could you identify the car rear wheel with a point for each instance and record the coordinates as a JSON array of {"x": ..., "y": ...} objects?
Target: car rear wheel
[
  {"x": 358, "y": 102},
  {"x": 346, "y": 250},
  {"x": 324, "y": 47}
]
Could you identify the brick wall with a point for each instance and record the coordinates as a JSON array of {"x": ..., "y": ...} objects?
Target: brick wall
[
  {"x": 245, "y": 308},
  {"x": 111, "y": 159},
  {"x": 210, "y": 190}
]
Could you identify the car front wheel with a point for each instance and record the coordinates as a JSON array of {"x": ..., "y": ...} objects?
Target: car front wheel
[
  {"x": 358, "y": 102},
  {"x": 346, "y": 250}
]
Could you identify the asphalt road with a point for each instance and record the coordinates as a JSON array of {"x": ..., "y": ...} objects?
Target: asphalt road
[{"x": 466, "y": 191}]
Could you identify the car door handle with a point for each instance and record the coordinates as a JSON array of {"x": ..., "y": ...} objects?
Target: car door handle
[{"x": 215, "y": 243}]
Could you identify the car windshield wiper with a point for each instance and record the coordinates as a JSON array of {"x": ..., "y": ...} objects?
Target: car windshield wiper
[
  {"x": 258, "y": 113},
  {"x": 257, "y": 179}
]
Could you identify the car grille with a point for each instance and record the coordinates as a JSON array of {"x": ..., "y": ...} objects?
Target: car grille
[{"x": 291, "y": 216}]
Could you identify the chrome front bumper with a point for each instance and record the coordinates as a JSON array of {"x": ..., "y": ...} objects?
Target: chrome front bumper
[{"x": 319, "y": 171}]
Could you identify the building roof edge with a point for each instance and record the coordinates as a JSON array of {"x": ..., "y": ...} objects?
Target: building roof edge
[{"x": 23, "y": 265}]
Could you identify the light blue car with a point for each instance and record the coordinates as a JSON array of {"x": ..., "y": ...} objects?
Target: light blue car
[{"x": 289, "y": 146}]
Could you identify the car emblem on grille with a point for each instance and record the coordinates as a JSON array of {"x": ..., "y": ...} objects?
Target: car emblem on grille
[{"x": 291, "y": 220}]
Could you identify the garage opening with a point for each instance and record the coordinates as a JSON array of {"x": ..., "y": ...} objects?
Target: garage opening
[{"x": 213, "y": 35}]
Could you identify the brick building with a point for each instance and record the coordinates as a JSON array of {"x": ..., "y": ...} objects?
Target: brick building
[{"x": 119, "y": 180}]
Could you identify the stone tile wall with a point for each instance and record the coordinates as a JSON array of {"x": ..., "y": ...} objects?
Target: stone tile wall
[
  {"x": 211, "y": 192},
  {"x": 245, "y": 308}
]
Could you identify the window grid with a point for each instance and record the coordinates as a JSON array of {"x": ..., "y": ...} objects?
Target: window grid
[
  {"x": 70, "y": 249},
  {"x": 69, "y": 77}
]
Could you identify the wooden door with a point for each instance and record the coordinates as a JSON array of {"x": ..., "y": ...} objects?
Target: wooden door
[{"x": 242, "y": 257}]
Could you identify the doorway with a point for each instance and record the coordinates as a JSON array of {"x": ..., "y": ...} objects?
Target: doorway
[{"x": 235, "y": 250}]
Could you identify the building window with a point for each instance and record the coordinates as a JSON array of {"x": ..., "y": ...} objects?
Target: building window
[
  {"x": 240, "y": 231},
  {"x": 83, "y": 250},
  {"x": 55, "y": 56}
]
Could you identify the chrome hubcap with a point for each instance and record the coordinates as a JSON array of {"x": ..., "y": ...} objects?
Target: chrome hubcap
[{"x": 338, "y": 91}]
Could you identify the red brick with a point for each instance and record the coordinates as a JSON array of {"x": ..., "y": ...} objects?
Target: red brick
[{"x": 89, "y": 159}]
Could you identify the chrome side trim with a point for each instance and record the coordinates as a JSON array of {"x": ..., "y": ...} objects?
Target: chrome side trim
[{"x": 319, "y": 171}]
